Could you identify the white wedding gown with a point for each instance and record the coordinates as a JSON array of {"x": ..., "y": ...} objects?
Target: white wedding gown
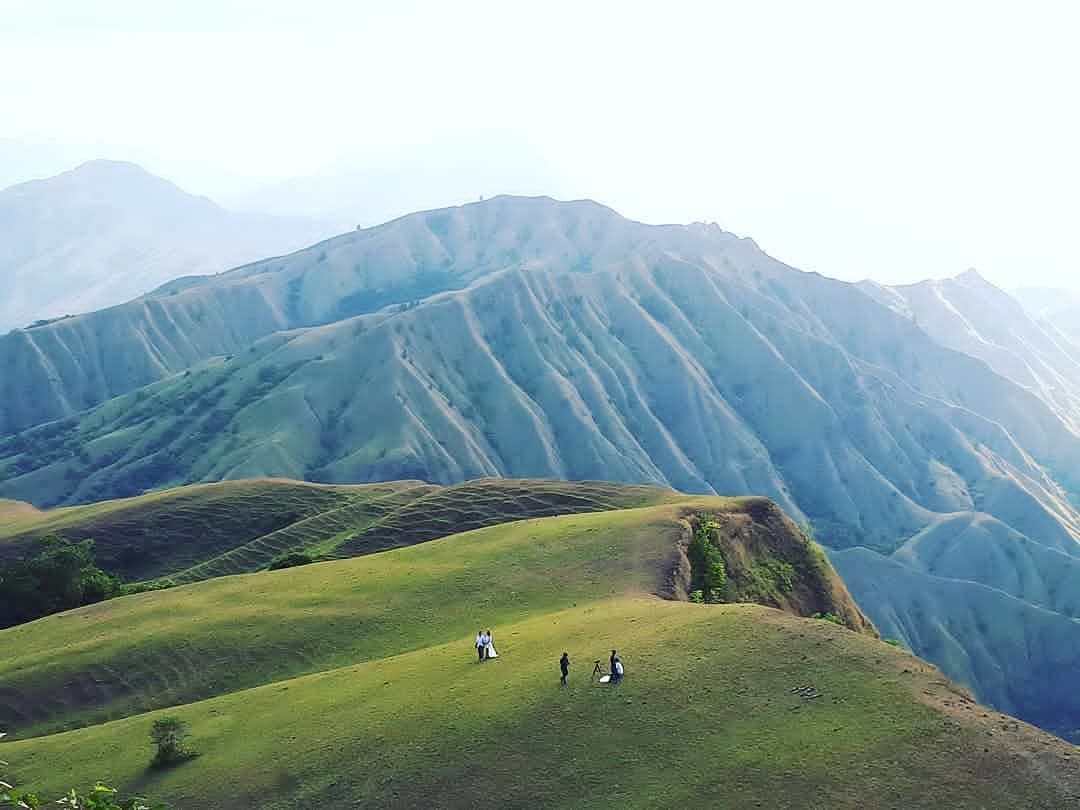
[{"x": 490, "y": 651}]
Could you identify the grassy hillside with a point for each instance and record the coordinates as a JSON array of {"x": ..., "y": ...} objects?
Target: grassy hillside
[
  {"x": 359, "y": 685},
  {"x": 15, "y": 512},
  {"x": 202, "y": 531},
  {"x": 155, "y": 649},
  {"x": 163, "y": 532},
  {"x": 1023, "y": 655}
]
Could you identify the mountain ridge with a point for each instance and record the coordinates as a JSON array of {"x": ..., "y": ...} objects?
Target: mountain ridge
[
  {"x": 107, "y": 231},
  {"x": 973, "y": 316},
  {"x": 525, "y": 338}
]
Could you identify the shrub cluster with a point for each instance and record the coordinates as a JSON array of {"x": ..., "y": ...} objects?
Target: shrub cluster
[
  {"x": 61, "y": 575},
  {"x": 169, "y": 735},
  {"x": 290, "y": 559},
  {"x": 708, "y": 576}
]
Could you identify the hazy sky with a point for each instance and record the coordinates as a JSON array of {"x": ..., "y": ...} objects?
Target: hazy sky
[{"x": 896, "y": 141}]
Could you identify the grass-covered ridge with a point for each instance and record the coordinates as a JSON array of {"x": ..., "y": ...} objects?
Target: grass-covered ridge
[
  {"x": 711, "y": 717},
  {"x": 162, "y": 532},
  {"x": 202, "y": 531},
  {"x": 354, "y": 682},
  {"x": 156, "y": 649}
]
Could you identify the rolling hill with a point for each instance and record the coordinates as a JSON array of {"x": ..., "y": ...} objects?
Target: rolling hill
[
  {"x": 106, "y": 232},
  {"x": 353, "y": 681},
  {"x": 532, "y": 338},
  {"x": 207, "y": 530}
]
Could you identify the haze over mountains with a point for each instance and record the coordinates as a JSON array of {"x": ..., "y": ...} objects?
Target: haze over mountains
[
  {"x": 1059, "y": 308},
  {"x": 367, "y": 192},
  {"x": 927, "y": 432},
  {"x": 107, "y": 231}
]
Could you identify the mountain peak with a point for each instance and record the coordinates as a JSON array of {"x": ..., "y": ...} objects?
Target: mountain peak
[
  {"x": 970, "y": 278},
  {"x": 107, "y": 231},
  {"x": 973, "y": 276},
  {"x": 104, "y": 179},
  {"x": 122, "y": 173},
  {"x": 104, "y": 165}
]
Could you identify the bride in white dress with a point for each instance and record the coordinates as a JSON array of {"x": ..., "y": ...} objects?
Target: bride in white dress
[{"x": 489, "y": 650}]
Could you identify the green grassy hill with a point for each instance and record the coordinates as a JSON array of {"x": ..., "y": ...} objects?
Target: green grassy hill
[
  {"x": 1027, "y": 656},
  {"x": 14, "y": 512},
  {"x": 206, "y": 530},
  {"x": 354, "y": 682},
  {"x": 162, "y": 532},
  {"x": 520, "y": 337}
]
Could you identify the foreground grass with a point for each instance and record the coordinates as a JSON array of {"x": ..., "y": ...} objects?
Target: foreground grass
[
  {"x": 354, "y": 683},
  {"x": 705, "y": 716}
]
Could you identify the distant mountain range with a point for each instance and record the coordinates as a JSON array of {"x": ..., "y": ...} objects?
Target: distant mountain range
[
  {"x": 971, "y": 315},
  {"x": 1058, "y": 308},
  {"x": 107, "y": 231},
  {"x": 928, "y": 433}
]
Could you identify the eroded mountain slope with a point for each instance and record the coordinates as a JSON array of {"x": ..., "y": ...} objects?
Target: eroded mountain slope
[
  {"x": 971, "y": 315},
  {"x": 532, "y": 338}
]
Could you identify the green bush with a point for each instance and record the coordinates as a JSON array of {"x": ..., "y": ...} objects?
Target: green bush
[
  {"x": 781, "y": 574},
  {"x": 103, "y": 797},
  {"x": 290, "y": 560},
  {"x": 708, "y": 576},
  {"x": 828, "y": 617},
  {"x": 152, "y": 585},
  {"x": 60, "y": 576},
  {"x": 168, "y": 735}
]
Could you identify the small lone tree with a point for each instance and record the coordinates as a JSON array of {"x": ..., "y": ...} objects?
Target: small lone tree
[{"x": 168, "y": 734}]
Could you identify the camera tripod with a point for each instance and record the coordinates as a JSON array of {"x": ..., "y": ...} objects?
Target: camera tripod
[{"x": 596, "y": 670}]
